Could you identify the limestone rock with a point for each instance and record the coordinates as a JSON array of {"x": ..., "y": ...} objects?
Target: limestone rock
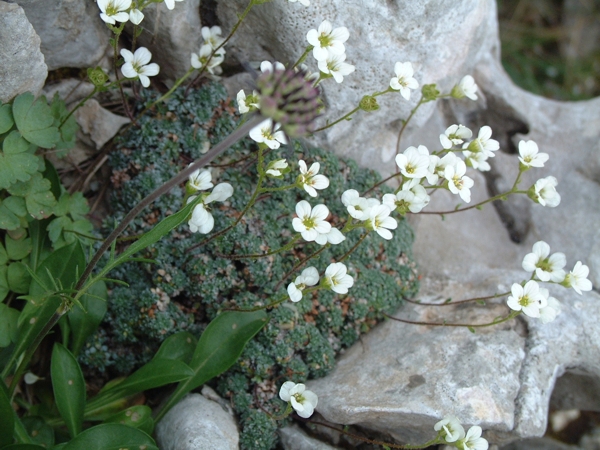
[
  {"x": 72, "y": 33},
  {"x": 293, "y": 438},
  {"x": 539, "y": 444},
  {"x": 97, "y": 123},
  {"x": 197, "y": 423},
  {"x": 22, "y": 66}
]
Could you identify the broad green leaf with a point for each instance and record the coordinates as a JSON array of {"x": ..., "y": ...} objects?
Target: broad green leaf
[
  {"x": 7, "y": 418},
  {"x": 85, "y": 321},
  {"x": 6, "y": 118},
  {"x": 17, "y": 163},
  {"x": 39, "y": 242},
  {"x": 218, "y": 349},
  {"x": 112, "y": 436},
  {"x": 75, "y": 205},
  {"x": 69, "y": 388},
  {"x": 179, "y": 346},
  {"x": 38, "y": 431},
  {"x": 17, "y": 249},
  {"x": 26, "y": 447},
  {"x": 68, "y": 129},
  {"x": 61, "y": 267},
  {"x": 4, "y": 289},
  {"x": 11, "y": 209},
  {"x": 35, "y": 121},
  {"x": 8, "y": 326},
  {"x": 38, "y": 197},
  {"x": 139, "y": 416},
  {"x": 51, "y": 175},
  {"x": 18, "y": 277},
  {"x": 3, "y": 255}
]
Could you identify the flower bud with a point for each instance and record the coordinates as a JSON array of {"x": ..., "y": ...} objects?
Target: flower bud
[
  {"x": 97, "y": 76},
  {"x": 368, "y": 103},
  {"x": 430, "y": 92}
]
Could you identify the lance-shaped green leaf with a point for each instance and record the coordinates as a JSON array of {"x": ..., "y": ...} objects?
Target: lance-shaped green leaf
[
  {"x": 6, "y": 118},
  {"x": 85, "y": 320},
  {"x": 179, "y": 346},
  {"x": 139, "y": 416},
  {"x": 7, "y": 418},
  {"x": 18, "y": 277},
  {"x": 4, "y": 289},
  {"x": 38, "y": 197},
  {"x": 219, "y": 347},
  {"x": 111, "y": 436},
  {"x": 40, "y": 245},
  {"x": 35, "y": 121},
  {"x": 17, "y": 163},
  {"x": 8, "y": 325},
  {"x": 69, "y": 388},
  {"x": 26, "y": 447},
  {"x": 12, "y": 209},
  {"x": 39, "y": 431}
]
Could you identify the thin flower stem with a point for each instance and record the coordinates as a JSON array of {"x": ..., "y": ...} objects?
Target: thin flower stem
[
  {"x": 477, "y": 205},
  {"x": 405, "y": 123},
  {"x": 300, "y": 264},
  {"x": 278, "y": 189},
  {"x": 116, "y": 57},
  {"x": 512, "y": 315},
  {"x": 329, "y": 125},
  {"x": 303, "y": 56},
  {"x": 354, "y": 247},
  {"x": 376, "y": 185},
  {"x": 79, "y": 105},
  {"x": 176, "y": 180},
  {"x": 286, "y": 247},
  {"x": 449, "y": 303}
]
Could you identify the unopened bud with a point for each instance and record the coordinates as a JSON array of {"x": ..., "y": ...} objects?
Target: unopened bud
[{"x": 368, "y": 103}]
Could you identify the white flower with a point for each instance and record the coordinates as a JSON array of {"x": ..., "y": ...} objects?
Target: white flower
[
  {"x": 201, "y": 221},
  {"x": 303, "y": 2},
  {"x": 549, "y": 312},
  {"x": 412, "y": 199},
  {"x": 413, "y": 162},
  {"x": 171, "y": 3},
  {"x": 200, "y": 180},
  {"x": 302, "y": 400},
  {"x": 477, "y": 160},
  {"x": 577, "y": 278},
  {"x": 309, "y": 179},
  {"x": 199, "y": 60},
  {"x": 311, "y": 221},
  {"x": 308, "y": 277},
  {"x": 269, "y": 135},
  {"x": 529, "y": 156},
  {"x": 336, "y": 279},
  {"x": 136, "y": 65},
  {"x": 114, "y": 10},
  {"x": 452, "y": 429},
  {"x": 483, "y": 143},
  {"x": 458, "y": 183},
  {"x": 380, "y": 221},
  {"x": 544, "y": 192},
  {"x": 473, "y": 440},
  {"x": 327, "y": 41},
  {"x": 546, "y": 268},
  {"x": 455, "y": 135},
  {"x": 220, "y": 193},
  {"x": 335, "y": 66},
  {"x": 136, "y": 16},
  {"x": 437, "y": 167},
  {"x": 275, "y": 168},
  {"x": 333, "y": 237},
  {"x": 267, "y": 66},
  {"x": 404, "y": 81},
  {"x": 245, "y": 104},
  {"x": 212, "y": 37},
  {"x": 358, "y": 207},
  {"x": 527, "y": 299},
  {"x": 466, "y": 88}
]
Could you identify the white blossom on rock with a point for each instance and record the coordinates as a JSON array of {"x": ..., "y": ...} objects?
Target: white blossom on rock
[
  {"x": 337, "y": 279},
  {"x": 327, "y": 41},
  {"x": 458, "y": 182},
  {"x": 301, "y": 399},
  {"x": 577, "y": 278},
  {"x": 380, "y": 221},
  {"x": 466, "y": 88},
  {"x": 544, "y": 192},
  {"x": 201, "y": 59},
  {"x": 455, "y": 135},
  {"x": 483, "y": 143},
  {"x": 450, "y": 429},
  {"x": 549, "y": 312},
  {"x": 404, "y": 81},
  {"x": 527, "y": 298},
  {"x": 269, "y": 67},
  {"x": 530, "y": 156},
  {"x": 335, "y": 66},
  {"x": 268, "y": 134},
  {"x": 138, "y": 65},
  {"x": 308, "y": 277},
  {"x": 333, "y": 237},
  {"x": 412, "y": 199},
  {"x": 311, "y": 221},
  {"x": 136, "y": 16},
  {"x": 212, "y": 38},
  {"x": 546, "y": 267},
  {"x": 477, "y": 160},
  {"x": 358, "y": 207},
  {"x": 310, "y": 180},
  {"x": 114, "y": 10},
  {"x": 413, "y": 162},
  {"x": 473, "y": 440},
  {"x": 171, "y": 3},
  {"x": 247, "y": 103}
]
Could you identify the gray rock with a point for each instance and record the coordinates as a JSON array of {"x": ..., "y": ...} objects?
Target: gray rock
[
  {"x": 293, "y": 438},
  {"x": 539, "y": 444},
  {"x": 22, "y": 66},
  {"x": 98, "y": 124},
  {"x": 72, "y": 33},
  {"x": 171, "y": 36},
  {"x": 197, "y": 423}
]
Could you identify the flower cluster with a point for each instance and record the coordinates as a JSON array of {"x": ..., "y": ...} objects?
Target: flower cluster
[
  {"x": 201, "y": 220},
  {"x": 452, "y": 432},
  {"x": 329, "y": 50},
  {"x": 212, "y": 41},
  {"x": 336, "y": 278},
  {"x": 113, "y": 11}
]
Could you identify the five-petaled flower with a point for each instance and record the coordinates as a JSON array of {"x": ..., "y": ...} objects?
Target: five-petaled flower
[
  {"x": 544, "y": 192},
  {"x": 200, "y": 180},
  {"x": 309, "y": 179},
  {"x": 530, "y": 156},
  {"x": 380, "y": 221},
  {"x": 247, "y": 103},
  {"x": 450, "y": 429},
  {"x": 114, "y": 10},
  {"x": 335, "y": 66},
  {"x": 308, "y": 277},
  {"x": 311, "y": 221},
  {"x": 483, "y": 143},
  {"x": 268, "y": 134},
  {"x": 327, "y": 41},
  {"x": 473, "y": 440},
  {"x": 136, "y": 65},
  {"x": 527, "y": 298},
  {"x": 212, "y": 37},
  {"x": 336, "y": 278},
  {"x": 413, "y": 199},
  {"x": 301, "y": 399},
  {"x": 458, "y": 182},
  {"x": 358, "y": 207},
  {"x": 276, "y": 168},
  {"x": 202, "y": 220},
  {"x": 455, "y": 135},
  {"x": 466, "y": 88},
  {"x": 546, "y": 267},
  {"x": 577, "y": 278},
  {"x": 201, "y": 59},
  {"x": 404, "y": 81},
  {"x": 413, "y": 162}
]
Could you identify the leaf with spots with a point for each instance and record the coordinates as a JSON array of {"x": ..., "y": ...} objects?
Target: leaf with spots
[
  {"x": 138, "y": 416},
  {"x": 69, "y": 388}
]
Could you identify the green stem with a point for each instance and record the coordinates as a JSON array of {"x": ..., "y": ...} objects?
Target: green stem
[
  {"x": 376, "y": 185},
  {"x": 405, "y": 123},
  {"x": 476, "y": 205},
  {"x": 512, "y": 315},
  {"x": 448, "y": 303},
  {"x": 286, "y": 247},
  {"x": 354, "y": 247},
  {"x": 303, "y": 56},
  {"x": 300, "y": 264},
  {"x": 278, "y": 189},
  {"x": 79, "y": 105},
  {"x": 344, "y": 117}
]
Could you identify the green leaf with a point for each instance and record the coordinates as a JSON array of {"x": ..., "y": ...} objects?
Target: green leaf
[
  {"x": 85, "y": 321},
  {"x": 38, "y": 431},
  {"x": 75, "y": 205},
  {"x": 35, "y": 121},
  {"x": 178, "y": 346},
  {"x": 3, "y": 255},
  {"x": 25, "y": 447},
  {"x": 68, "y": 129},
  {"x": 6, "y": 118},
  {"x": 51, "y": 175},
  {"x": 39, "y": 242},
  {"x": 112, "y": 436},
  {"x": 17, "y": 249},
  {"x": 219, "y": 347},
  {"x": 139, "y": 416},
  {"x": 8, "y": 327},
  {"x": 11, "y": 209},
  {"x": 69, "y": 388},
  {"x": 16, "y": 162},
  {"x": 7, "y": 417},
  {"x": 4, "y": 289},
  {"x": 38, "y": 197},
  {"x": 18, "y": 278}
]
